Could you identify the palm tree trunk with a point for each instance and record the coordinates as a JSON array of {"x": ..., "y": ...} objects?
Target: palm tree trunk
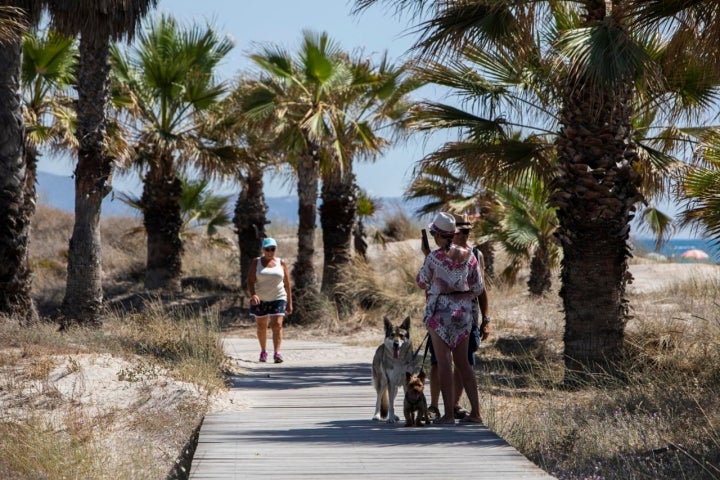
[
  {"x": 17, "y": 193},
  {"x": 250, "y": 220},
  {"x": 162, "y": 192},
  {"x": 337, "y": 217},
  {"x": 540, "y": 279},
  {"x": 93, "y": 178},
  {"x": 595, "y": 193},
  {"x": 488, "y": 251},
  {"x": 305, "y": 285}
]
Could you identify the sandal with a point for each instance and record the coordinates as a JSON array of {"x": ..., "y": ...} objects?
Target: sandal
[
  {"x": 444, "y": 421},
  {"x": 470, "y": 419},
  {"x": 460, "y": 412}
]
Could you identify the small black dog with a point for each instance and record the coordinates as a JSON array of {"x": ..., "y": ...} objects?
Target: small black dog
[{"x": 415, "y": 404}]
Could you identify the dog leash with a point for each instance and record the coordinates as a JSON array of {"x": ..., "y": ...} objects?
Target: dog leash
[{"x": 426, "y": 341}]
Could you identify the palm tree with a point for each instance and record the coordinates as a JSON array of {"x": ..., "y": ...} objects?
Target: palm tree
[
  {"x": 17, "y": 182},
  {"x": 168, "y": 80},
  {"x": 378, "y": 105},
  {"x": 199, "y": 207},
  {"x": 587, "y": 74},
  {"x": 48, "y": 66},
  {"x": 97, "y": 24},
  {"x": 695, "y": 25},
  {"x": 250, "y": 218},
  {"x": 305, "y": 95},
  {"x": 366, "y": 208},
  {"x": 48, "y": 70},
  {"x": 700, "y": 190},
  {"x": 253, "y": 151},
  {"x": 526, "y": 230}
]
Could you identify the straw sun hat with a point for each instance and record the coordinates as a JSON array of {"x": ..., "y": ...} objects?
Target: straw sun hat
[{"x": 443, "y": 224}]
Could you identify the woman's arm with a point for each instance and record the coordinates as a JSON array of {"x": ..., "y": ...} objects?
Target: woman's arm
[
  {"x": 424, "y": 276},
  {"x": 251, "y": 280},
  {"x": 288, "y": 290},
  {"x": 483, "y": 300},
  {"x": 475, "y": 279}
]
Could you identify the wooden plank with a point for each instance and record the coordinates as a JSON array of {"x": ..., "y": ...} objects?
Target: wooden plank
[{"x": 310, "y": 418}]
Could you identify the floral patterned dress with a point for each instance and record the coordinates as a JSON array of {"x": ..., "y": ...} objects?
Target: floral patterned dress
[{"x": 451, "y": 289}]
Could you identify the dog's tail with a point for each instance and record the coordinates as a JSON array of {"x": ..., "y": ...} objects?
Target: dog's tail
[{"x": 384, "y": 404}]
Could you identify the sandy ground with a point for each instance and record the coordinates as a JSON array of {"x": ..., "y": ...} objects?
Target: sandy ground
[
  {"x": 648, "y": 275},
  {"x": 123, "y": 394},
  {"x": 653, "y": 277}
]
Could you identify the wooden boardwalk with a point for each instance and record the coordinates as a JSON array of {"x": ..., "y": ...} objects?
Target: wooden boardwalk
[{"x": 310, "y": 418}]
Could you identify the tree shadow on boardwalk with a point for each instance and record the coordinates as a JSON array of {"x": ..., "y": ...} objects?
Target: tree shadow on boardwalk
[
  {"x": 291, "y": 378},
  {"x": 368, "y": 432}
]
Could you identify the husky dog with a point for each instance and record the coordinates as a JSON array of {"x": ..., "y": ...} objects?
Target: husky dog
[
  {"x": 392, "y": 360},
  {"x": 415, "y": 401}
]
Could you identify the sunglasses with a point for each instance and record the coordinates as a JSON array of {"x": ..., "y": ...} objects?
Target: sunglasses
[
  {"x": 464, "y": 231},
  {"x": 269, "y": 249}
]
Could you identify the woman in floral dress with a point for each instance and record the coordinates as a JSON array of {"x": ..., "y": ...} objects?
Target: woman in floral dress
[{"x": 452, "y": 280}]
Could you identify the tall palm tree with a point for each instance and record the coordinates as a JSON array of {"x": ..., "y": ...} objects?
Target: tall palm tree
[
  {"x": 48, "y": 66},
  {"x": 168, "y": 79},
  {"x": 376, "y": 113},
  {"x": 250, "y": 218},
  {"x": 97, "y": 24},
  {"x": 17, "y": 183},
  {"x": 253, "y": 152},
  {"x": 304, "y": 93},
  {"x": 594, "y": 73}
]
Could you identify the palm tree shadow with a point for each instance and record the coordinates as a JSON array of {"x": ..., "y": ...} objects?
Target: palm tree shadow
[
  {"x": 374, "y": 433},
  {"x": 291, "y": 378}
]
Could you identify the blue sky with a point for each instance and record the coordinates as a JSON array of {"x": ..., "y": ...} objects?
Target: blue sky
[{"x": 281, "y": 22}]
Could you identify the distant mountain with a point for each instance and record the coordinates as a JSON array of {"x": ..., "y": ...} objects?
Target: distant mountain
[
  {"x": 58, "y": 191},
  {"x": 285, "y": 209}
]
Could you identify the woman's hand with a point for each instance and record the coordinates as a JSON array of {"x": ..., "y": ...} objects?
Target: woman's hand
[
  {"x": 485, "y": 329},
  {"x": 288, "y": 308},
  {"x": 254, "y": 300}
]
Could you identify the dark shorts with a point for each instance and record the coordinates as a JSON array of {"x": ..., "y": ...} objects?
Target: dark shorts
[
  {"x": 263, "y": 309},
  {"x": 473, "y": 345}
]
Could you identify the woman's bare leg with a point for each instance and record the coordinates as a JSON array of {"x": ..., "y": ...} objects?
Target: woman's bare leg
[
  {"x": 460, "y": 358},
  {"x": 444, "y": 361},
  {"x": 262, "y": 326},
  {"x": 276, "y": 324}
]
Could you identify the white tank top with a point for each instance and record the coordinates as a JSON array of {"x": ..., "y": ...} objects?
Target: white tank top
[{"x": 269, "y": 284}]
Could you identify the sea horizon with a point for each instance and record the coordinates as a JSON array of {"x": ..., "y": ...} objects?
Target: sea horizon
[{"x": 674, "y": 248}]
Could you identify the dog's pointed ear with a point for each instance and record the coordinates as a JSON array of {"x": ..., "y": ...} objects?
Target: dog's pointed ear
[
  {"x": 408, "y": 376},
  {"x": 421, "y": 376},
  {"x": 387, "y": 323},
  {"x": 406, "y": 323}
]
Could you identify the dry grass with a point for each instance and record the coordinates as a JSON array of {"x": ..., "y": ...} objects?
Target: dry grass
[
  {"x": 122, "y": 401},
  {"x": 659, "y": 422}
]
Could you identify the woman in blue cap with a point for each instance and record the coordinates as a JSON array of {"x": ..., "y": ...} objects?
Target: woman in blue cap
[{"x": 270, "y": 296}]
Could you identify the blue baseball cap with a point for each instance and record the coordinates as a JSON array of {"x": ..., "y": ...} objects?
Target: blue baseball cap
[{"x": 269, "y": 242}]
